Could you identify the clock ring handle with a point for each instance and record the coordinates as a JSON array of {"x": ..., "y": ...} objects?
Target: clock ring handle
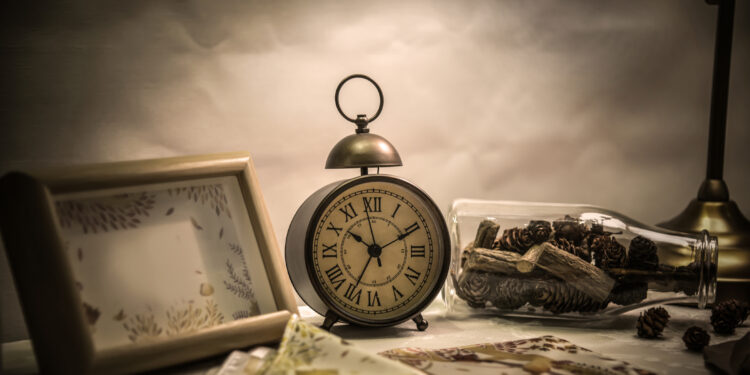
[{"x": 361, "y": 120}]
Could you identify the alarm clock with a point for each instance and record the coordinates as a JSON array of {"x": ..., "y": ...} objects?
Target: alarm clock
[{"x": 373, "y": 250}]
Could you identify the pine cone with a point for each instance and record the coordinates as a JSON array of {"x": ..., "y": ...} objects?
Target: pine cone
[
  {"x": 596, "y": 229},
  {"x": 652, "y": 323},
  {"x": 628, "y": 294},
  {"x": 570, "y": 229},
  {"x": 642, "y": 254},
  {"x": 727, "y": 315},
  {"x": 540, "y": 230},
  {"x": 509, "y": 293},
  {"x": 565, "y": 245},
  {"x": 515, "y": 239},
  {"x": 608, "y": 253},
  {"x": 558, "y": 297},
  {"x": 696, "y": 338},
  {"x": 474, "y": 288}
]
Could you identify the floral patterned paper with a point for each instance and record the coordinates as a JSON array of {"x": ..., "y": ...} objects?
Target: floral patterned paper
[
  {"x": 546, "y": 354},
  {"x": 306, "y": 349},
  {"x": 163, "y": 260}
]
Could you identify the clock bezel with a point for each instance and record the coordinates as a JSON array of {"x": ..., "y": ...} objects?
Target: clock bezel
[{"x": 442, "y": 239}]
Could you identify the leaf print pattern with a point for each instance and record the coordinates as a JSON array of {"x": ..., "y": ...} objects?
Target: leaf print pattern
[
  {"x": 180, "y": 320},
  {"x": 119, "y": 212},
  {"x": 191, "y": 319},
  {"x": 213, "y": 195},
  {"x": 142, "y": 328},
  {"x": 241, "y": 285}
]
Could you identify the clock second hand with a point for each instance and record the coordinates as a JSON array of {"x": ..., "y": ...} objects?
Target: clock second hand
[{"x": 363, "y": 272}]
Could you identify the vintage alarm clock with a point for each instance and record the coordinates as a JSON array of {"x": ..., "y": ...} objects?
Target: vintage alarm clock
[{"x": 373, "y": 250}]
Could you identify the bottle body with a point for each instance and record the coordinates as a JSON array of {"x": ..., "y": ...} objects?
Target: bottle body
[{"x": 566, "y": 260}]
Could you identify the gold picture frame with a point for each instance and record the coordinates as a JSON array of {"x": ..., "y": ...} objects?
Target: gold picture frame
[{"x": 105, "y": 232}]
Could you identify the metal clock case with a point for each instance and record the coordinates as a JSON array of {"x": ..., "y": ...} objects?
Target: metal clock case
[
  {"x": 373, "y": 250},
  {"x": 403, "y": 275}
]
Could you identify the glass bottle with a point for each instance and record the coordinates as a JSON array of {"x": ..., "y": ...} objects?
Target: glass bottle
[{"x": 570, "y": 260}]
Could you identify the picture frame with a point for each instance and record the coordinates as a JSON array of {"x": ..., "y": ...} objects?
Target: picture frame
[{"x": 131, "y": 266}]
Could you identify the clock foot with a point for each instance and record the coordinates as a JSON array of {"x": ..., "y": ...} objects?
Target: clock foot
[
  {"x": 331, "y": 319},
  {"x": 421, "y": 323}
]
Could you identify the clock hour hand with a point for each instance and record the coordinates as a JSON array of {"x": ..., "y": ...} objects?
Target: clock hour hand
[
  {"x": 358, "y": 238},
  {"x": 369, "y": 224}
]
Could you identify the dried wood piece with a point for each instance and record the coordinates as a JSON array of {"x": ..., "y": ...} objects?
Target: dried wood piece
[
  {"x": 573, "y": 270},
  {"x": 486, "y": 234},
  {"x": 503, "y": 262}
]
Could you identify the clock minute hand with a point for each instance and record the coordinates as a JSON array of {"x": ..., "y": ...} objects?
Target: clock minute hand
[
  {"x": 369, "y": 224},
  {"x": 399, "y": 238}
]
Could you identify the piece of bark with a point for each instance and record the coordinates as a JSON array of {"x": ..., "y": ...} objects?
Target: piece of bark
[
  {"x": 486, "y": 234},
  {"x": 575, "y": 271},
  {"x": 497, "y": 261},
  {"x": 465, "y": 253}
]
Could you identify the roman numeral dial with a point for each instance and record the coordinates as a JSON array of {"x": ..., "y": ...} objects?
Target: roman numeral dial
[{"x": 376, "y": 250}]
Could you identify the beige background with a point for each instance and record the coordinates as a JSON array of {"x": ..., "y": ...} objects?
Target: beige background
[{"x": 572, "y": 101}]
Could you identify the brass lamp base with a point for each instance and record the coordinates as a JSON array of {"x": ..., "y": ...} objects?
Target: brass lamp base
[{"x": 724, "y": 220}]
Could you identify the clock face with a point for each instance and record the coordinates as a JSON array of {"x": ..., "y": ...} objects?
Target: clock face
[{"x": 378, "y": 250}]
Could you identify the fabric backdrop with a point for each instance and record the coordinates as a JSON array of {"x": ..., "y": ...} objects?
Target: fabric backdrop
[{"x": 601, "y": 102}]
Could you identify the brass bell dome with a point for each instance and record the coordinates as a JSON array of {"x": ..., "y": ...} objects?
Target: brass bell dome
[{"x": 362, "y": 149}]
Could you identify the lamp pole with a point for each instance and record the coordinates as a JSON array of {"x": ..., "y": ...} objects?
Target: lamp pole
[{"x": 712, "y": 209}]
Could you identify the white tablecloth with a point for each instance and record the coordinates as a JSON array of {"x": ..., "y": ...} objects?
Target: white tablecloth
[{"x": 614, "y": 338}]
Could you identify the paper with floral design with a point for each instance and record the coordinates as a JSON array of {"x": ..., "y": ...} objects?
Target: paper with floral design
[
  {"x": 546, "y": 354},
  {"x": 306, "y": 349},
  {"x": 162, "y": 260}
]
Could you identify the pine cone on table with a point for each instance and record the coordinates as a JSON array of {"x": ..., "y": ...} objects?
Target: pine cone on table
[
  {"x": 642, "y": 254},
  {"x": 695, "y": 338},
  {"x": 570, "y": 229},
  {"x": 565, "y": 245},
  {"x": 608, "y": 253},
  {"x": 652, "y": 322},
  {"x": 540, "y": 230},
  {"x": 517, "y": 240},
  {"x": 727, "y": 315}
]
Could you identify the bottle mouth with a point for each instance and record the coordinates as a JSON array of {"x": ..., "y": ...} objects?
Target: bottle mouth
[{"x": 707, "y": 255}]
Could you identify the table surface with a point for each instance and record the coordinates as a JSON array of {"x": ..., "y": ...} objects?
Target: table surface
[{"x": 615, "y": 338}]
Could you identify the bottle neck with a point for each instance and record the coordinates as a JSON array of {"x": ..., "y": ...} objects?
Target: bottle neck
[{"x": 705, "y": 256}]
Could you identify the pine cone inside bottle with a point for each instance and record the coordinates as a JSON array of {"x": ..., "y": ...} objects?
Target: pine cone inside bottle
[
  {"x": 652, "y": 322},
  {"x": 565, "y": 245},
  {"x": 540, "y": 230},
  {"x": 509, "y": 293},
  {"x": 608, "y": 253},
  {"x": 474, "y": 288},
  {"x": 642, "y": 254},
  {"x": 628, "y": 294},
  {"x": 570, "y": 229},
  {"x": 558, "y": 297},
  {"x": 727, "y": 315},
  {"x": 696, "y": 338},
  {"x": 517, "y": 240}
]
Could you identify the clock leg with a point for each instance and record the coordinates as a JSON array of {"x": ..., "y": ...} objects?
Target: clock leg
[
  {"x": 331, "y": 319},
  {"x": 421, "y": 323}
]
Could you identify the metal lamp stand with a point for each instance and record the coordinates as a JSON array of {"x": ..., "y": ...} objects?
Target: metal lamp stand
[{"x": 713, "y": 210}]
